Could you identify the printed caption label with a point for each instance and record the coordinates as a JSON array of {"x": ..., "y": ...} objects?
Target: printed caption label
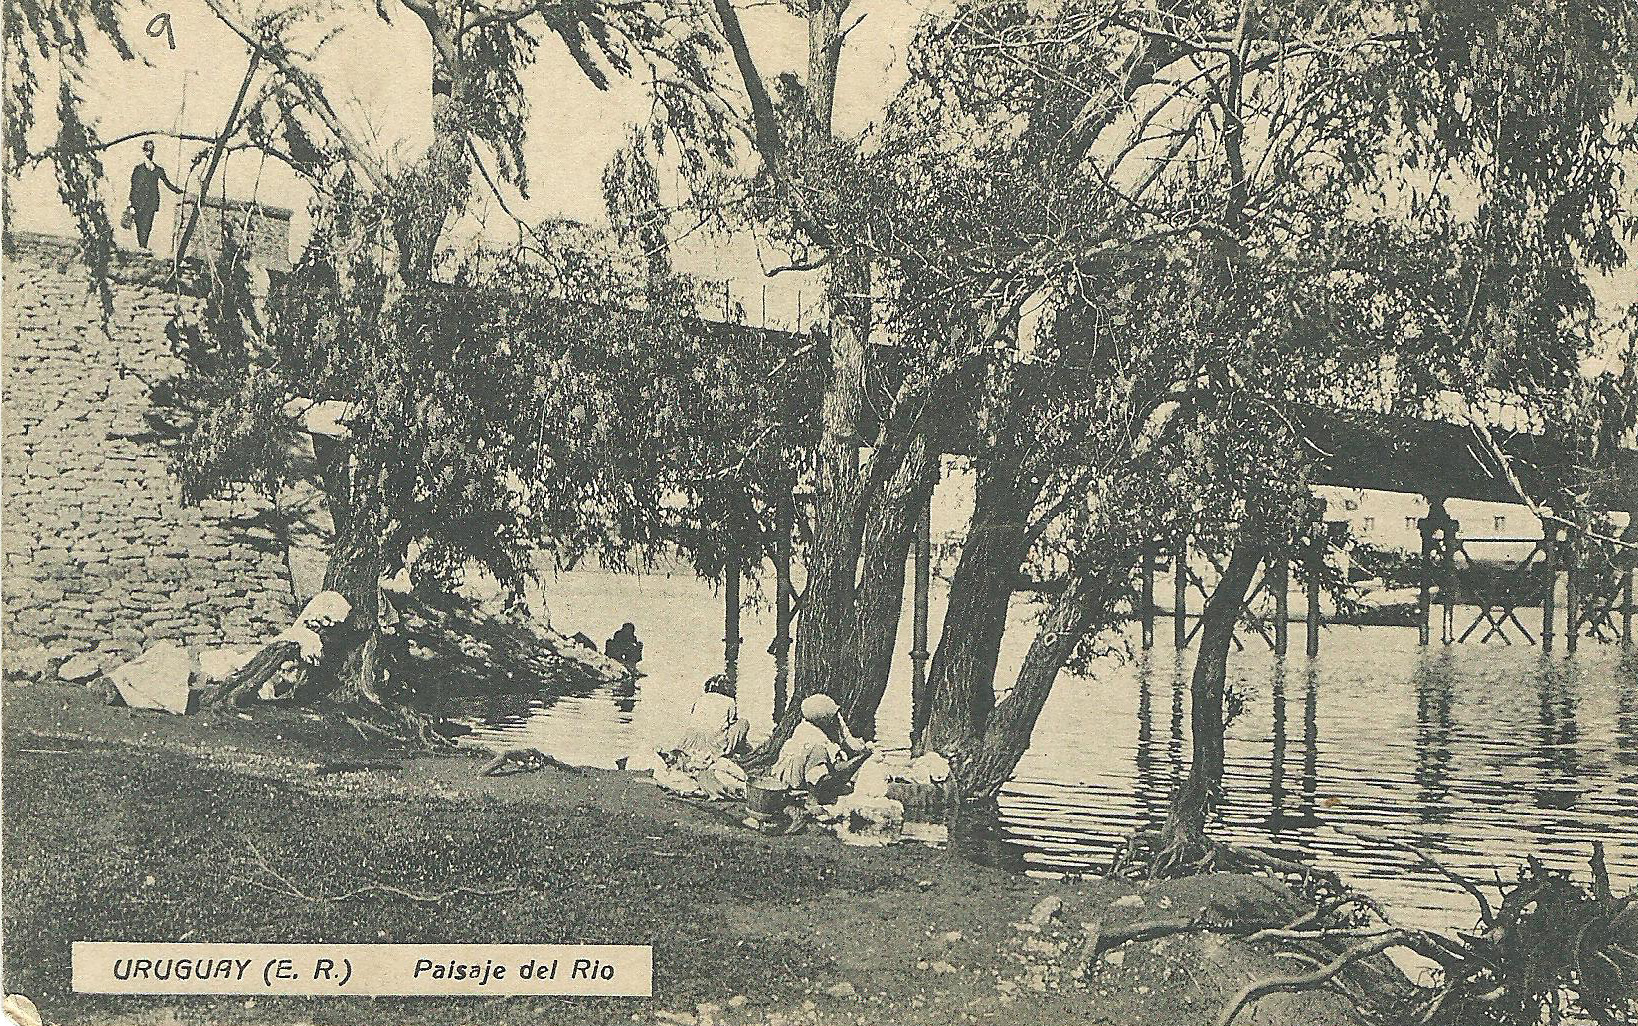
[{"x": 365, "y": 970}]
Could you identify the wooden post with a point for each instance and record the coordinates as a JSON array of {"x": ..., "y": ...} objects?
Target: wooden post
[
  {"x": 1424, "y": 594},
  {"x": 730, "y": 614},
  {"x": 1626, "y": 608},
  {"x": 1572, "y": 590},
  {"x": 1146, "y": 616},
  {"x": 1447, "y": 588},
  {"x": 784, "y": 593},
  {"x": 1280, "y": 580},
  {"x": 1316, "y": 563},
  {"x": 920, "y": 700},
  {"x": 1180, "y": 592},
  {"x": 1549, "y": 546}
]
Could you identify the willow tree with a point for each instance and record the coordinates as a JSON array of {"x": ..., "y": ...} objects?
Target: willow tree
[
  {"x": 462, "y": 434},
  {"x": 1114, "y": 249},
  {"x": 55, "y": 40}
]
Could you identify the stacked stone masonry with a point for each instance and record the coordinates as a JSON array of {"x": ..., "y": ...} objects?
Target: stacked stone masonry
[
  {"x": 263, "y": 231},
  {"x": 101, "y": 555}
]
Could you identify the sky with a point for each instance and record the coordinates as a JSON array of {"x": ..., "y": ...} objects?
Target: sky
[{"x": 377, "y": 74}]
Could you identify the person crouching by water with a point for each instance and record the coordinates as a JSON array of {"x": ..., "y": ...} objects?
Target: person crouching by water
[
  {"x": 715, "y": 730},
  {"x": 821, "y": 756},
  {"x": 623, "y": 646}
]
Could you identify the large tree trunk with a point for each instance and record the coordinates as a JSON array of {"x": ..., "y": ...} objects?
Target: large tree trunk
[
  {"x": 1183, "y": 835},
  {"x": 879, "y": 600},
  {"x": 825, "y": 620},
  {"x": 848, "y": 625},
  {"x": 353, "y": 656},
  {"x": 352, "y": 668},
  {"x": 961, "y": 679},
  {"x": 984, "y": 767}
]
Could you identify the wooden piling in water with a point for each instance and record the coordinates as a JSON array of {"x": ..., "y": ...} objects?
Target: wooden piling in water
[
  {"x": 1280, "y": 581},
  {"x": 1316, "y": 560},
  {"x": 1314, "y": 556},
  {"x": 1147, "y": 596},
  {"x": 1180, "y": 593},
  {"x": 1626, "y": 608},
  {"x": 1549, "y": 546},
  {"x": 1571, "y": 554},
  {"x": 919, "y": 654},
  {"x": 1424, "y": 593},
  {"x": 1447, "y": 587}
]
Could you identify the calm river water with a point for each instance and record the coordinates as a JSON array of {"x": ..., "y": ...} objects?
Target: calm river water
[{"x": 1477, "y": 754}]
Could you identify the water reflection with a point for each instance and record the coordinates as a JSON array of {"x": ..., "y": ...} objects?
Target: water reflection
[
  {"x": 1435, "y": 727},
  {"x": 1276, "y": 758},
  {"x": 1308, "y": 792},
  {"x": 1479, "y": 754}
]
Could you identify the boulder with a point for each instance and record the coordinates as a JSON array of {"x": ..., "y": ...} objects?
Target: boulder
[
  {"x": 32, "y": 663},
  {"x": 1046, "y": 910},
  {"x": 79, "y": 669},
  {"x": 157, "y": 679},
  {"x": 869, "y": 821}
]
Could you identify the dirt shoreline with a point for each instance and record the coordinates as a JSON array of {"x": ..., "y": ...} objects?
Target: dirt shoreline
[{"x": 129, "y": 825}]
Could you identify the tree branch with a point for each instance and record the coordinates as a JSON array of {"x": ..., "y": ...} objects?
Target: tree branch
[
  {"x": 294, "y": 68},
  {"x": 766, "y": 126},
  {"x": 1305, "y": 981}
]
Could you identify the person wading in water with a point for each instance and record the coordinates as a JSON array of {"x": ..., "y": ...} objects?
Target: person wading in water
[{"x": 145, "y": 180}]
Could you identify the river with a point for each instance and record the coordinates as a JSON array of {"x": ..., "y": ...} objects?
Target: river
[{"x": 1478, "y": 754}]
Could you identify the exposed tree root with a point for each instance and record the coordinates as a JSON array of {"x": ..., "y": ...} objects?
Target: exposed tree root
[{"x": 1304, "y": 981}]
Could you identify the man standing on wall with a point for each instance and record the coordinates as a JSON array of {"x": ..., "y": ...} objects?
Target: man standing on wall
[{"x": 145, "y": 179}]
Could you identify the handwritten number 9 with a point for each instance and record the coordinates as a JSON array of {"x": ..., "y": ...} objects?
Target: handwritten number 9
[{"x": 161, "y": 23}]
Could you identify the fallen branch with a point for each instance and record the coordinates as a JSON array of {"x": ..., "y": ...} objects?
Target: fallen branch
[
  {"x": 523, "y": 760},
  {"x": 1304, "y": 981},
  {"x": 1486, "y": 912}
]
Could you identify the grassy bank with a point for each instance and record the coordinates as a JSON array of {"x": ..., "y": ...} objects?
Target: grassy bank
[{"x": 124, "y": 825}]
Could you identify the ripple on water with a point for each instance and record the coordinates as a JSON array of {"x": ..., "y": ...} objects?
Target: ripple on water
[{"x": 1477, "y": 755}]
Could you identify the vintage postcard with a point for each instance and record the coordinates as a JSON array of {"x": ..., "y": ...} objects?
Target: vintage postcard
[{"x": 728, "y": 512}]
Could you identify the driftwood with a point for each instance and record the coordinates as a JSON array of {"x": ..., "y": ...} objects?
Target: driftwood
[
  {"x": 523, "y": 760},
  {"x": 243, "y": 686}
]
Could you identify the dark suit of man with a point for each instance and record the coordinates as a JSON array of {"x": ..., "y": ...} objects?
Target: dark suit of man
[{"x": 145, "y": 179}]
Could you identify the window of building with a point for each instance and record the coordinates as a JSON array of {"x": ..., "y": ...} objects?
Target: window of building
[
  {"x": 1410, "y": 523},
  {"x": 1500, "y": 523},
  {"x": 1368, "y": 525},
  {"x": 1350, "y": 504}
]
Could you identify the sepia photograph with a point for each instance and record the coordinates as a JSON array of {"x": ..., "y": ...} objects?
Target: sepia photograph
[{"x": 819, "y": 512}]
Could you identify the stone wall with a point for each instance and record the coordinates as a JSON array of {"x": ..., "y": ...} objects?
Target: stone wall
[
  {"x": 101, "y": 557},
  {"x": 263, "y": 232}
]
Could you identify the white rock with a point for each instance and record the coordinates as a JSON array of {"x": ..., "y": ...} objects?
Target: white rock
[
  {"x": 156, "y": 679},
  {"x": 931, "y": 768},
  {"x": 21, "y": 1010},
  {"x": 1046, "y": 910},
  {"x": 79, "y": 669}
]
